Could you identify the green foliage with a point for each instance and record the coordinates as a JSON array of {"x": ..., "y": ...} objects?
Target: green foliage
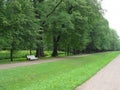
[
  {"x": 73, "y": 26},
  {"x": 80, "y": 26},
  {"x": 20, "y": 27},
  {"x": 22, "y": 22},
  {"x": 60, "y": 75}
]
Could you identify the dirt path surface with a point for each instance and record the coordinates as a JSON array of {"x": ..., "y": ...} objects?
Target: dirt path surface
[
  {"x": 106, "y": 79},
  {"x": 12, "y": 65}
]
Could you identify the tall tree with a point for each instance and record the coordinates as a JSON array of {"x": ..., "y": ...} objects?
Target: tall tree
[
  {"x": 43, "y": 14},
  {"x": 21, "y": 26}
]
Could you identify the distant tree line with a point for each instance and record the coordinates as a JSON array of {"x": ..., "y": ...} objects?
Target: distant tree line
[{"x": 72, "y": 26}]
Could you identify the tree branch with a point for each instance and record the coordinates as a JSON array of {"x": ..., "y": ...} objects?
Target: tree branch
[{"x": 54, "y": 8}]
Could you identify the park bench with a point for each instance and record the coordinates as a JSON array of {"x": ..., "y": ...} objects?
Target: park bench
[{"x": 31, "y": 57}]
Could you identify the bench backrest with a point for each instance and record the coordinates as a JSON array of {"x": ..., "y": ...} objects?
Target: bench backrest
[{"x": 31, "y": 57}]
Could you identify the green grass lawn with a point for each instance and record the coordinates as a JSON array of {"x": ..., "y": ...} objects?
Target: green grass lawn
[{"x": 60, "y": 75}]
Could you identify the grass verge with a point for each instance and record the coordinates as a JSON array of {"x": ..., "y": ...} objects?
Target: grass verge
[{"x": 60, "y": 75}]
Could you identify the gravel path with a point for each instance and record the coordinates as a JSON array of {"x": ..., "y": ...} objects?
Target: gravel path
[
  {"x": 12, "y": 65},
  {"x": 106, "y": 79}
]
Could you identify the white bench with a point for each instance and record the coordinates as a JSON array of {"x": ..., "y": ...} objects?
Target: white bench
[{"x": 31, "y": 57}]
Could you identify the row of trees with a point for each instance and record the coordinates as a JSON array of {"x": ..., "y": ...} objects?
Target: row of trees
[{"x": 72, "y": 26}]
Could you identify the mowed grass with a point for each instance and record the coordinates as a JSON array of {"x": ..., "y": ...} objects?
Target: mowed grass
[{"x": 59, "y": 75}]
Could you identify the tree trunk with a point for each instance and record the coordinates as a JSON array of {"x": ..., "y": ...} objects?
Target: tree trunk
[
  {"x": 55, "y": 47},
  {"x": 11, "y": 54},
  {"x": 40, "y": 52},
  {"x": 40, "y": 49},
  {"x": 30, "y": 52},
  {"x": 40, "y": 46},
  {"x": 68, "y": 51}
]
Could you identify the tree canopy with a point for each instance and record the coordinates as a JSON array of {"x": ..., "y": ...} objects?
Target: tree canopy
[{"x": 72, "y": 26}]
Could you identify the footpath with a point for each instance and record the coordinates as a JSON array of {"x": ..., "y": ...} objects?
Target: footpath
[
  {"x": 25, "y": 63},
  {"x": 106, "y": 79}
]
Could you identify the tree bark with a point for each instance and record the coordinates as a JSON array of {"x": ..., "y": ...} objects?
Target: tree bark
[
  {"x": 37, "y": 53},
  {"x": 40, "y": 47},
  {"x": 11, "y": 54},
  {"x": 68, "y": 51},
  {"x": 55, "y": 46},
  {"x": 30, "y": 52},
  {"x": 40, "y": 52}
]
